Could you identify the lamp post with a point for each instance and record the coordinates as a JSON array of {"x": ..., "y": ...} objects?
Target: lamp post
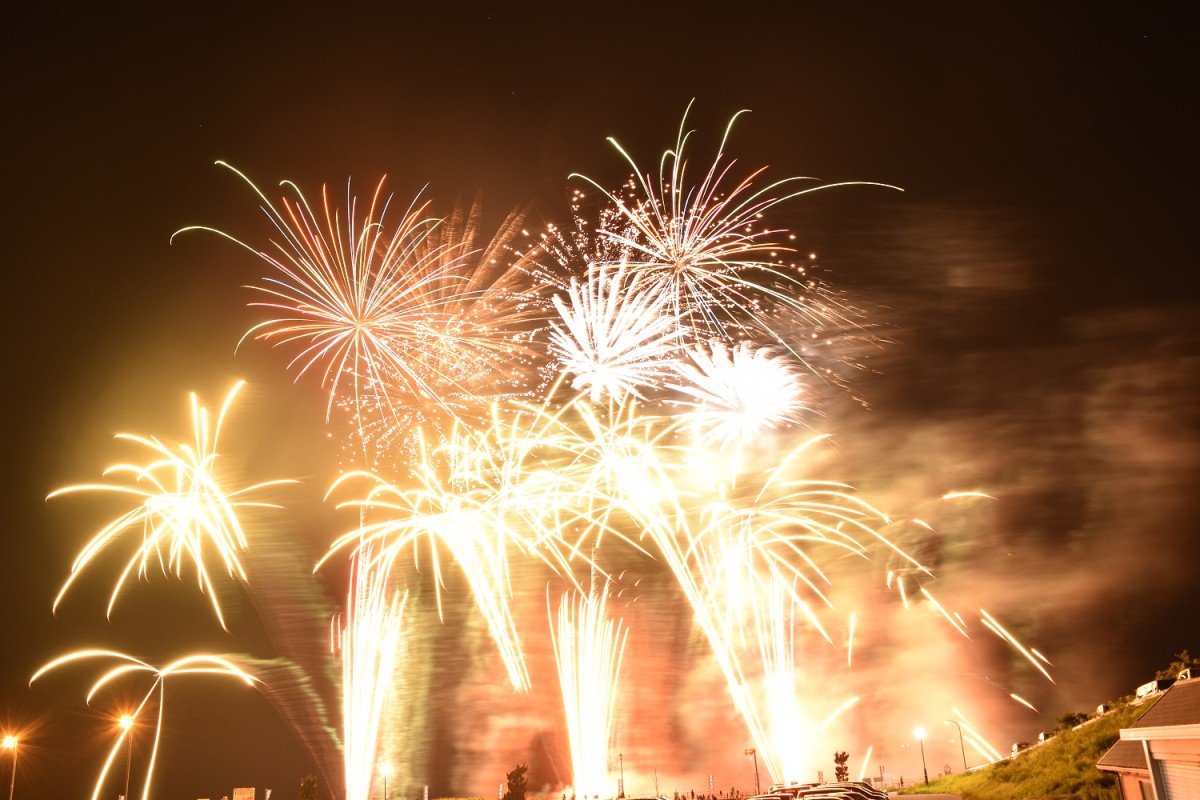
[
  {"x": 962, "y": 746},
  {"x": 621, "y": 788},
  {"x": 751, "y": 751},
  {"x": 385, "y": 770},
  {"x": 10, "y": 743},
  {"x": 920, "y": 734},
  {"x": 126, "y": 724}
]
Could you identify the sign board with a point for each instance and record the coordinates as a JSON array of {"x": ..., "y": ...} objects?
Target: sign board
[{"x": 243, "y": 794}]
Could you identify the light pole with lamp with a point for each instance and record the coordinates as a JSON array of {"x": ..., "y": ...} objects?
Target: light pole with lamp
[
  {"x": 920, "y": 734},
  {"x": 621, "y": 788},
  {"x": 751, "y": 751},
  {"x": 385, "y": 770},
  {"x": 10, "y": 743},
  {"x": 962, "y": 746},
  {"x": 126, "y": 724}
]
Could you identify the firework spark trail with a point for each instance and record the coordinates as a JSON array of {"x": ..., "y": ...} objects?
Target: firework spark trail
[
  {"x": 1023, "y": 702},
  {"x": 728, "y": 554},
  {"x": 466, "y": 534},
  {"x": 954, "y": 622},
  {"x": 977, "y": 740},
  {"x": 707, "y": 249},
  {"x": 722, "y": 552},
  {"x": 787, "y": 730},
  {"x": 189, "y": 665},
  {"x": 588, "y": 650},
  {"x": 866, "y": 763},
  {"x": 370, "y": 642},
  {"x": 850, "y": 641},
  {"x": 467, "y": 503},
  {"x": 995, "y": 627},
  {"x": 749, "y": 559},
  {"x": 183, "y": 509}
]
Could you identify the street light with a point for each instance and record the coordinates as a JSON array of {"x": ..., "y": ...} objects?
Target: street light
[
  {"x": 621, "y": 788},
  {"x": 750, "y": 751},
  {"x": 10, "y": 743},
  {"x": 385, "y": 770},
  {"x": 920, "y": 734},
  {"x": 126, "y": 724},
  {"x": 962, "y": 746}
]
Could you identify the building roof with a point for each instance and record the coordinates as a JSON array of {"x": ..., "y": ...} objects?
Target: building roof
[
  {"x": 1179, "y": 705},
  {"x": 1124, "y": 757}
]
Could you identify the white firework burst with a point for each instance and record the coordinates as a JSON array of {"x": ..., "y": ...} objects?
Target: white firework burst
[
  {"x": 614, "y": 335},
  {"x": 736, "y": 394}
]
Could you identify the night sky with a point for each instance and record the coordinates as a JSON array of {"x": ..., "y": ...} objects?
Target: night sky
[{"x": 1033, "y": 290}]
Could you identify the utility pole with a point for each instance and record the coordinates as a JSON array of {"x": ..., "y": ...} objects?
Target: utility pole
[
  {"x": 751, "y": 751},
  {"x": 126, "y": 723},
  {"x": 920, "y": 734},
  {"x": 10, "y": 743},
  {"x": 962, "y": 746}
]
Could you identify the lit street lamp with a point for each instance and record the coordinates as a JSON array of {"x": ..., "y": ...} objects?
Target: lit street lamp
[
  {"x": 962, "y": 746},
  {"x": 754, "y": 752},
  {"x": 126, "y": 724},
  {"x": 920, "y": 734},
  {"x": 10, "y": 743},
  {"x": 385, "y": 770}
]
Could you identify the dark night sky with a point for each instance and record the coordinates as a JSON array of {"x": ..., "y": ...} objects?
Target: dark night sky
[{"x": 1038, "y": 276}]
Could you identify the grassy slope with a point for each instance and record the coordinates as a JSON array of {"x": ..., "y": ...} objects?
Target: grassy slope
[{"x": 1062, "y": 768}]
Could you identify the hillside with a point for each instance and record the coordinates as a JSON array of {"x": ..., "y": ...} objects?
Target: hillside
[{"x": 1063, "y": 768}]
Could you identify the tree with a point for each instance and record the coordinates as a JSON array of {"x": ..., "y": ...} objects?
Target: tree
[
  {"x": 1182, "y": 661},
  {"x": 308, "y": 788},
  {"x": 841, "y": 772},
  {"x": 517, "y": 783},
  {"x": 1070, "y": 720}
]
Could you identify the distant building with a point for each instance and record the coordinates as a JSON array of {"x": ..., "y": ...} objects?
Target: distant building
[{"x": 1158, "y": 757}]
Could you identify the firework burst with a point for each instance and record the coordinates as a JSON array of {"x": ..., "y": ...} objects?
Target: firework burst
[
  {"x": 735, "y": 395},
  {"x": 706, "y": 249},
  {"x": 507, "y": 409},
  {"x": 404, "y": 321},
  {"x": 465, "y": 503},
  {"x": 128, "y": 665},
  {"x": 183, "y": 514},
  {"x": 614, "y": 336}
]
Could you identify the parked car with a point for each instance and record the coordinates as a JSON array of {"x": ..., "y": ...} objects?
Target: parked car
[
  {"x": 871, "y": 791},
  {"x": 840, "y": 791}
]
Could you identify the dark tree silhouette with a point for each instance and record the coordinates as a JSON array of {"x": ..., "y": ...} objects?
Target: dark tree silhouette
[
  {"x": 1182, "y": 661},
  {"x": 841, "y": 772},
  {"x": 517, "y": 783}
]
